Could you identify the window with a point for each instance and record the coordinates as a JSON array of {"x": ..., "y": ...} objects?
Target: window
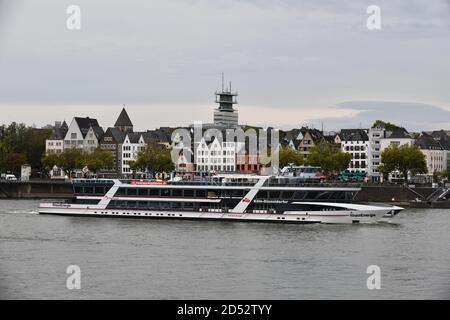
[
  {"x": 177, "y": 192},
  {"x": 143, "y": 192},
  {"x": 131, "y": 192},
  {"x": 73, "y": 136}
]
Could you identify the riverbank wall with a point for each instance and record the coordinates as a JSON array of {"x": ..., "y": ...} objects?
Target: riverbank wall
[{"x": 36, "y": 190}]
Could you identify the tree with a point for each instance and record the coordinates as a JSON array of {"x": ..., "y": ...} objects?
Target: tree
[
  {"x": 329, "y": 157},
  {"x": 19, "y": 139},
  {"x": 289, "y": 156},
  {"x": 405, "y": 159},
  {"x": 97, "y": 160},
  {"x": 34, "y": 145},
  {"x": 50, "y": 160},
  {"x": 71, "y": 160},
  {"x": 387, "y": 125},
  {"x": 154, "y": 158},
  {"x": 14, "y": 161},
  {"x": 134, "y": 166}
]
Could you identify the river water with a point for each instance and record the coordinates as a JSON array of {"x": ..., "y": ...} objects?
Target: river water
[{"x": 161, "y": 259}]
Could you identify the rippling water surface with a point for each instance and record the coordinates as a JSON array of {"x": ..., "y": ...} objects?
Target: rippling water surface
[{"x": 150, "y": 259}]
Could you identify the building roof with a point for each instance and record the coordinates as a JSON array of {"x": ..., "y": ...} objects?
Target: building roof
[
  {"x": 117, "y": 135},
  {"x": 426, "y": 141},
  {"x": 353, "y": 135},
  {"x": 134, "y": 137},
  {"x": 442, "y": 137},
  {"x": 86, "y": 123},
  {"x": 123, "y": 120},
  {"x": 399, "y": 133}
]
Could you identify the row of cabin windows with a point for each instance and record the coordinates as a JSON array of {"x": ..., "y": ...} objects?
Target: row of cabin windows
[
  {"x": 304, "y": 195},
  {"x": 191, "y": 193},
  {"x": 158, "y": 205},
  {"x": 144, "y": 192},
  {"x": 97, "y": 190}
]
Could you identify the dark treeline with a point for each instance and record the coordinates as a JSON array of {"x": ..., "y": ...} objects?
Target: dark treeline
[{"x": 20, "y": 144}]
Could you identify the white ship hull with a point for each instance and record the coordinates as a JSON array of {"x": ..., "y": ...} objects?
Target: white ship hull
[{"x": 357, "y": 214}]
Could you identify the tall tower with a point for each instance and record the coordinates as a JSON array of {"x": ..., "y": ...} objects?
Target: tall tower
[
  {"x": 225, "y": 114},
  {"x": 123, "y": 122}
]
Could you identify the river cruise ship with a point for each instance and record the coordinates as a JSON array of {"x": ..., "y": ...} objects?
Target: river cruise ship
[{"x": 278, "y": 199}]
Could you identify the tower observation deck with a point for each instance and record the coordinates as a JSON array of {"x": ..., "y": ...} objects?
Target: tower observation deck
[{"x": 225, "y": 114}]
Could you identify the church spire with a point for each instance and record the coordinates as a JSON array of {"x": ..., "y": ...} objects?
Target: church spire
[{"x": 123, "y": 122}]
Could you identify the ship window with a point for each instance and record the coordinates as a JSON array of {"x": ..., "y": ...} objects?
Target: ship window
[
  {"x": 120, "y": 192},
  {"x": 153, "y": 205},
  {"x": 287, "y": 194},
  {"x": 300, "y": 195},
  {"x": 212, "y": 194},
  {"x": 238, "y": 193},
  {"x": 120, "y": 204},
  {"x": 88, "y": 189},
  {"x": 143, "y": 204},
  {"x": 99, "y": 190},
  {"x": 324, "y": 195},
  {"x": 312, "y": 195},
  {"x": 187, "y": 205},
  {"x": 78, "y": 190},
  {"x": 131, "y": 204},
  {"x": 164, "y": 205},
  {"x": 154, "y": 192},
  {"x": 131, "y": 192},
  {"x": 176, "y": 205},
  {"x": 200, "y": 193},
  {"x": 165, "y": 193},
  {"x": 177, "y": 193},
  {"x": 274, "y": 194},
  {"x": 262, "y": 195},
  {"x": 188, "y": 193},
  {"x": 143, "y": 192}
]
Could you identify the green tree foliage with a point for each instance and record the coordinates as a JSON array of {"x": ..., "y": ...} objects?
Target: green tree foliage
[
  {"x": 20, "y": 144},
  {"x": 99, "y": 159},
  {"x": 154, "y": 159},
  {"x": 74, "y": 159},
  {"x": 329, "y": 157},
  {"x": 389, "y": 126},
  {"x": 404, "y": 159},
  {"x": 288, "y": 155}
]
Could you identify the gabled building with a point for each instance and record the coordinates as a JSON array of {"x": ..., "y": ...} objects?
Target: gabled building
[
  {"x": 311, "y": 137},
  {"x": 83, "y": 133},
  {"x": 132, "y": 144},
  {"x": 435, "y": 154},
  {"x": 216, "y": 156}
]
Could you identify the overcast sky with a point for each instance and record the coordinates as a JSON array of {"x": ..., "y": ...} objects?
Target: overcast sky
[{"x": 293, "y": 62}]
